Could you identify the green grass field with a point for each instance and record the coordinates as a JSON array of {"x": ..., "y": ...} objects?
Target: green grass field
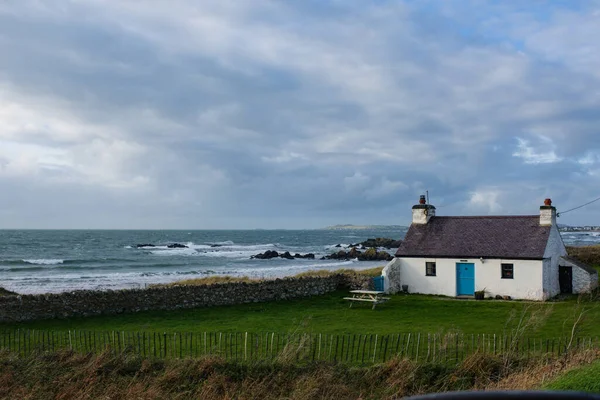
[
  {"x": 583, "y": 379},
  {"x": 331, "y": 314}
]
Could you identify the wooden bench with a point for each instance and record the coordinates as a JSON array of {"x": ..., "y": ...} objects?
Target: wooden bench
[{"x": 370, "y": 296}]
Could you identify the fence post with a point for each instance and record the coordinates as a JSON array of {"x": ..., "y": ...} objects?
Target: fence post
[
  {"x": 428, "y": 346},
  {"x": 375, "y": 348},
  {"x": 387, "y": 339}
]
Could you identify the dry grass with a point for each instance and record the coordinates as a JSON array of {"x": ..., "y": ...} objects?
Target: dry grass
[
  {"x": 211, "y": 280},
  {"x": 368, "y": 272},
  {"x": 67, "y": 375},
  {"x": 586, "y": 254}
]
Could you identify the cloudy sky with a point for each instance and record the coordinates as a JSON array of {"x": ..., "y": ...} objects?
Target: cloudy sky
[{"x": 295, "y": 114}]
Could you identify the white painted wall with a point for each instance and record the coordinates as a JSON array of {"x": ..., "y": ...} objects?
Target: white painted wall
[
  {"x": 527, "y": 282},
  {"x": 583, "y": 281},
  {"x": 391, "y": 276},
  {"x": 555, "y": 248},
  {"x": 422, "y": 216}
]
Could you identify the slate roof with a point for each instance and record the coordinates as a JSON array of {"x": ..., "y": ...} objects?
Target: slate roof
[
  {"x": 577, "y": 263},
  {"x": 515, "y": 237}
]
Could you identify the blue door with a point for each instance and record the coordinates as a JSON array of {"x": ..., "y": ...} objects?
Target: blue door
[
  {"x": 465, "y": 279},
  {"x": 378, "y": 283}
]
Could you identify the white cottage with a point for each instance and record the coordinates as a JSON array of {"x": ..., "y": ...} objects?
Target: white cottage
[{"x": 519, "y": 256}]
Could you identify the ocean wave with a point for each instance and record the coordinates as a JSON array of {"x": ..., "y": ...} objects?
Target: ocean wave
[
  {"x": 236, "y": 254},
  {"x": 332, "y": 264},
  {"x": 171, "y": 273},
  {"x": 174, "y": 252},
  {"x": 338, "y": 246},
  {"x": 56, "y": 261},
  {"x": 43, "y": 261},
  {"x": 225, "y": 243},
  {"x": 223, "y": 251}
]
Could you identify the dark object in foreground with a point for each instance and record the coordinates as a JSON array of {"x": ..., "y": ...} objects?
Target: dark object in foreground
[
  {"x": 4, "y": 292},
  {"x": 500, "y": 395}
]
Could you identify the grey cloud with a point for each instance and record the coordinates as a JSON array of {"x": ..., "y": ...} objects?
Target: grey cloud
[{"x": 293, "y": 113}]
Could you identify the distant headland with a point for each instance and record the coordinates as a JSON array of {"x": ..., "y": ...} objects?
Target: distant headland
[{"x": 359, "y": 227}]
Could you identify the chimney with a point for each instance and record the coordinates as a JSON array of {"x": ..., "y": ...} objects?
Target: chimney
[
  {"x": 547, "y": 213},
  {"x": 422, "y": 212}
]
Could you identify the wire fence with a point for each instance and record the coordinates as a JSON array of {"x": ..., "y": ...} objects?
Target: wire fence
[{"x": 292, "y": 347}]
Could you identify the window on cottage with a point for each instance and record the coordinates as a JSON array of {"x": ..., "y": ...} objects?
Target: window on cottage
[
  {"x": 507, "y": 271},
  {"x": 430, "y": 269}
]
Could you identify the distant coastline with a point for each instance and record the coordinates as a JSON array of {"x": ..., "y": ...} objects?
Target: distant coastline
[
  {"x": 587, "y": 228},
  {"x": 362, "y": 227}
]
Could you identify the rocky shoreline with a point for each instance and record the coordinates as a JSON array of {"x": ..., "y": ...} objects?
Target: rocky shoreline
[
  {"x": 273, "y": 254},
  {"x": 370, "y": 254}
]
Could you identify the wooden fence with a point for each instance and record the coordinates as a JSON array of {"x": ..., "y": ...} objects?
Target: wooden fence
[{"x": 296, "y": 347}]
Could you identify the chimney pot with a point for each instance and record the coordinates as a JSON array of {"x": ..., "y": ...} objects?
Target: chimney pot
[
  {"x": 422, "y": 212},
  {"x": 547, "y": 213}
]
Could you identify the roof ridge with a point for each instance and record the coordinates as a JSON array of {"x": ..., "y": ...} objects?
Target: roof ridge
[
  {"x": 486, "y": 216},
  {"x": 518, "y": 236}
]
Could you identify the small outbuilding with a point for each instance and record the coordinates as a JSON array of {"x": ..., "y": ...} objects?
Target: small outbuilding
[{"x": 522, "y": 256}]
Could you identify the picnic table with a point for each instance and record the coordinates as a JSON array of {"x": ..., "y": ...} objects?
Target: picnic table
[{"x": 371, "y": 296}]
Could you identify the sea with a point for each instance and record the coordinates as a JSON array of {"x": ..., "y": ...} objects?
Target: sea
[{"x": 54, "y": 261}]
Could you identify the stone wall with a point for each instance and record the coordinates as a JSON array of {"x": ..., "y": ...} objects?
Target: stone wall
[
  {"x": 88, "y": 303},
  {"x": 583, "y": 281}
]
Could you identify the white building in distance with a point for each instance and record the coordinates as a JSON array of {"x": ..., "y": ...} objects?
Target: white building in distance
[{"x": 523, "y": 257}]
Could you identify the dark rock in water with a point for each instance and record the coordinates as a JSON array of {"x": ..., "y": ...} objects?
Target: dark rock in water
[
  {"x": 370, "y": 255},
  {"x": 266, "y": 255},
  {"x": 382, "y": 242},
  {"x": 384, "y": 256},
  {"x": 216, "y": 245},
  {"x": 340, "y": 255},
  {"x": 308, "y": 255},
  {"x": 177, "y": 246},
  {"x": 353, "y": 253},
  {"x": 338, "y": 245},
  {"x": 144, "y": 245},
  {"x": 273, "y": 254}
]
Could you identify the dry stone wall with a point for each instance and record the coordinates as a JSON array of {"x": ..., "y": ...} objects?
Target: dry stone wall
[{"x": 88, "y": 303}]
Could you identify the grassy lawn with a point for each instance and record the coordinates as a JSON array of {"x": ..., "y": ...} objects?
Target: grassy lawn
[
  {"x": 581, "y": 379},
  {"x": 331, "y": 314}
]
